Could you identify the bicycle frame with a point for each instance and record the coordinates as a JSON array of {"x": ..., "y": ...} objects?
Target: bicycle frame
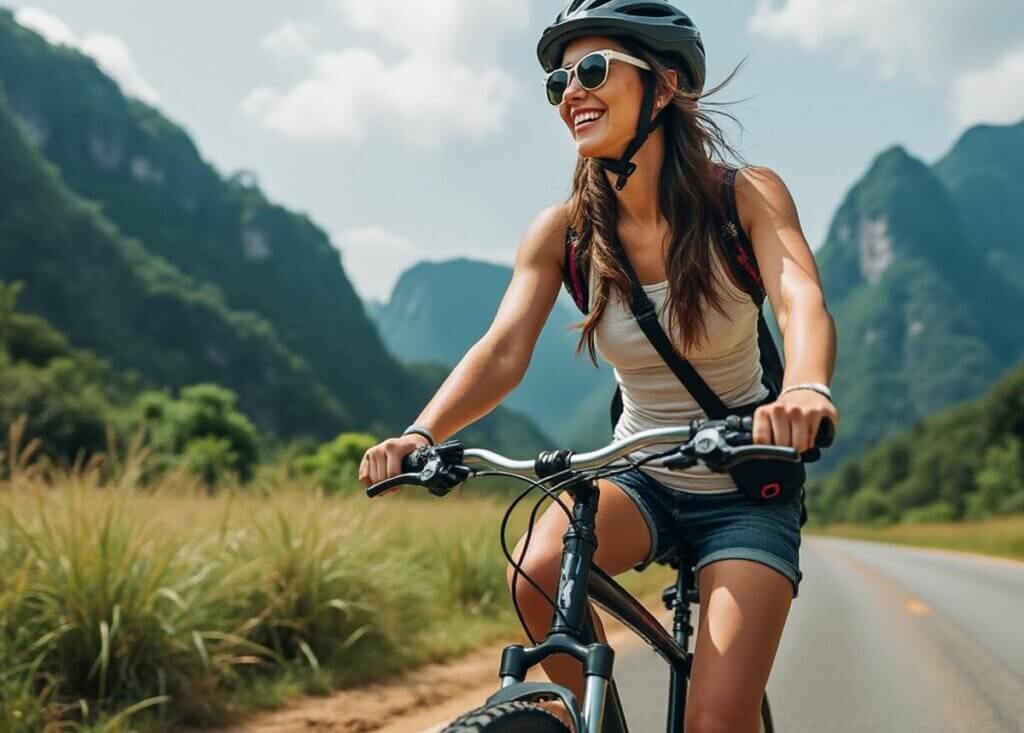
[{"x": 572, "y": 632}]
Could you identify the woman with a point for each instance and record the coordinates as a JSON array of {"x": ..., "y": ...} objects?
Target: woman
[{"x": 627, "y": 79}]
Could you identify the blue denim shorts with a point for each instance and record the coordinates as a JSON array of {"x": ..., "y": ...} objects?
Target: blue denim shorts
[{"x": 716, "y": 526}]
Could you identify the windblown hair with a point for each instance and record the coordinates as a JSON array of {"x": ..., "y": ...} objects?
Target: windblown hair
[{"x": 688, "y": 191}]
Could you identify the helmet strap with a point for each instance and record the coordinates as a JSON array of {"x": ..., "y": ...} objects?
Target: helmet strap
[{"x": 644, "y": 126}]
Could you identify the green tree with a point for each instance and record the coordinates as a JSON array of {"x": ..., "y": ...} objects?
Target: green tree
[
  {"x": 335, "y": 465},
  {"x": 203, "y": 430},
  {"x": 1000, "y": 480}
]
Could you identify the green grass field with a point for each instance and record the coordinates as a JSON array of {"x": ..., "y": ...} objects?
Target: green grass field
[
  {"x": 1003, "y": 537},
  {"x": 128, "y": 609}
]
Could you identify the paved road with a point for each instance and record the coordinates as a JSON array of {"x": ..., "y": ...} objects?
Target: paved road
[{"x": 882, "y": 638}]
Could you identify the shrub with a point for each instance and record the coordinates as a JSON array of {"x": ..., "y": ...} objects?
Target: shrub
[
  {"x": 335, "y": 465},
  {"x": 939, "y": 511}
]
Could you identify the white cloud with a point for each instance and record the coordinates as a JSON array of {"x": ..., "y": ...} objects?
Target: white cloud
[
  {"x": 444, "y": 84},
  {"x": 290, "y": 39},
  {"x": 992, "y": 95},
  {"x": 931, "y": 39},
  {"x": 352, "y": 91},
  {"x": 451, "y": 28},
  {"x": 50, "y": 27},
  {"x": 110, "y": 52},
  {"x": 374, "y": 258}
]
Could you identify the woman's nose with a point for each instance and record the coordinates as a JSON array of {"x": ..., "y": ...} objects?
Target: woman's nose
[{"x": 574, "y": 90}]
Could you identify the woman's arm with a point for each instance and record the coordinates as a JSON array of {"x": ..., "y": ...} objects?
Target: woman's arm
[
  {"x": 496, "y": 364},
  {"x": 793, "y": 287}
]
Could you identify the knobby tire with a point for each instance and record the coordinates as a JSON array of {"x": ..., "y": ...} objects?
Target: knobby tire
[{"x": 508, "y": 717}]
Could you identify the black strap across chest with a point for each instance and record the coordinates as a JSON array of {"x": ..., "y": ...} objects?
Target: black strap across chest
[{"x": 740, "y": 257}]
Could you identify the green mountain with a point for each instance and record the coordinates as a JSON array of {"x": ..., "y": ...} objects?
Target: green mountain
[
  {"x": 965, "y": 461},
  {"x": 110, "y": 296},
  {"x": 150, "y": 181},
  {"x": 922, "y": 319},
  {"x": 982, "y": 173},
  {"x": 437, "y": 311},
  {"x": 136, "y": 249}
]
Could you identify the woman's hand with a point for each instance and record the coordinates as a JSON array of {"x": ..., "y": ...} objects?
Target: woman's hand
[
  {"x": 384, "y": 460},
  {"x": 793, "y": 419}
]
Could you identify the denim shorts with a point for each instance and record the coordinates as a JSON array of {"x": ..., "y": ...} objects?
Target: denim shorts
[{"x": 716, "y": 526}]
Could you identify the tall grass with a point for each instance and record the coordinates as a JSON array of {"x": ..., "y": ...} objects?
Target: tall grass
[{"x": 123, "y": 608}]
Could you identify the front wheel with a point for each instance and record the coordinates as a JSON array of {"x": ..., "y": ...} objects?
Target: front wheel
[{"x": 508, "y": 717}]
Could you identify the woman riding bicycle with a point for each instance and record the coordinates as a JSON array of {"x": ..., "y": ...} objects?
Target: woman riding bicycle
[{"x": 627, "y": 77}]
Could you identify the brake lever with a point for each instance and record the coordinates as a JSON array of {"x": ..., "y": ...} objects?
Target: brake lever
[
  {"x": 402, "y": 479},
  {"x": 780, "y": 452}
]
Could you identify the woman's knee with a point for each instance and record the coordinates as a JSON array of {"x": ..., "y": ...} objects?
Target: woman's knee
[{"x": 542, "y": 565}]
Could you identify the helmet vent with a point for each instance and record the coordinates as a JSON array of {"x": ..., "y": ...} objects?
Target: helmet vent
[
  {"x": 598, "y": 3},
  {"x": 660, "y": 10},
  {"x": 685, "y": 22}
]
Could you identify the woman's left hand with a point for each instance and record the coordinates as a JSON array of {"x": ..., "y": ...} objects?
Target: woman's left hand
[{"x": 793, "y": 419}]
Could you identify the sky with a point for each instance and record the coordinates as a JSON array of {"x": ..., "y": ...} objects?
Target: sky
[{"x": 415, "y": 131}]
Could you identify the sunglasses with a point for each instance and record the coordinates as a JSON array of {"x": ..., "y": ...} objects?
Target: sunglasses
[{"x": 591, "y": 70}]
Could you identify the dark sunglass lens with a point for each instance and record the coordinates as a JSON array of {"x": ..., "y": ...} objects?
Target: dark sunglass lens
[
  {"x": 592, "y": 71},
  {"x": 556, "y": 85}
]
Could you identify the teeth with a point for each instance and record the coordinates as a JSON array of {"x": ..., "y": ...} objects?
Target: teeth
[{"x": 587, "y": 117}]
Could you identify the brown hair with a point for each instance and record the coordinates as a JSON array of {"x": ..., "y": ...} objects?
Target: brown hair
[{"x": 688, "y": 188}]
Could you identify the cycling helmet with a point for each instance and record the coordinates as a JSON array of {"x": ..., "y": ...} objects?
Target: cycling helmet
[{"x": 657, "y": 24}]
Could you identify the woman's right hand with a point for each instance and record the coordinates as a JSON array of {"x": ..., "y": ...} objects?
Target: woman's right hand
[{"x": 384, "y": 460}]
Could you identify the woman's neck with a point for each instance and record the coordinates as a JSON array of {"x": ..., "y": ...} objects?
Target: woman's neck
[{"x": 639, "y": 200}]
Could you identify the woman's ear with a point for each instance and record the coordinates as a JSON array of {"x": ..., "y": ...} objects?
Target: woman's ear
[{"x": 666, "y": 88}]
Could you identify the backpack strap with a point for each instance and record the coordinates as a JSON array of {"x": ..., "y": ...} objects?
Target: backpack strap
[
  {"x": 647, "y": 318},
  {"x": 573, "y": 276},
  {"x": 740, "y": 256}
]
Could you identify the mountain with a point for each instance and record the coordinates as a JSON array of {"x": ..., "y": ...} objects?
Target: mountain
[
  {"x": 151, "y": 182},
  {"x": 982, "y": 173},
  {"x": 921, "y": 317},
  {"x": 110, "y": 296},
  {"x": 136, "y": 249},
  {"x": 438, "y": 310}
]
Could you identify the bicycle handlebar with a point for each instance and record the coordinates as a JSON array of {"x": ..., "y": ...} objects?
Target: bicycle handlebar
[{"x": 720, "y": 444}]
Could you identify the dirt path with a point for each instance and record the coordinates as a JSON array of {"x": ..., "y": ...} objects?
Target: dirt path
[{"x": 418, "y": 701}]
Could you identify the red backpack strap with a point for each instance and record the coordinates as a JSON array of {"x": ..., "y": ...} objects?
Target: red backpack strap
[
  {"x": 573, "y": 277},
  {"x": 738, "y": 247},
  {"x": 743, "y": 262}
]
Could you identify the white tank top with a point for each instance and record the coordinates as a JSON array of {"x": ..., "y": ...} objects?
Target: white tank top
[{"x": 653, "y": 397}]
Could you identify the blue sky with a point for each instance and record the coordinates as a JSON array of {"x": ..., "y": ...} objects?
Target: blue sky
[{"x": 419, "y": 130}]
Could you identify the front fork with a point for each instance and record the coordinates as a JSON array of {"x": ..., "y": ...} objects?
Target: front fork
[{"x": 571, "y": 624}]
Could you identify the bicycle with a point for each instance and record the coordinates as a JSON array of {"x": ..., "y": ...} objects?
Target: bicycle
[{"x": 719, "y": 444}]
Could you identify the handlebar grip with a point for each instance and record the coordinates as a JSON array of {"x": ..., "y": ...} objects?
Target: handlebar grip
[{"x": 826, "y": 431}]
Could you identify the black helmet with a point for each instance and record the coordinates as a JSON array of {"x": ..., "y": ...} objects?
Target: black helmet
[{"x": 657, "y": 24}]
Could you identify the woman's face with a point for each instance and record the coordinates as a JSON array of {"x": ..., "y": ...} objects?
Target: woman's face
[{"x": 617, "y": 102}]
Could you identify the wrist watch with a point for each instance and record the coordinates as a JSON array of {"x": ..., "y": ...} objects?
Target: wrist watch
[{"x": 418, "y": 430}]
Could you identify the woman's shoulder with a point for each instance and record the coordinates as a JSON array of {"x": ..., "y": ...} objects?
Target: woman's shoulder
[
  {"x": 545, "y": 235},
  {"x": 759, "y": 190}
]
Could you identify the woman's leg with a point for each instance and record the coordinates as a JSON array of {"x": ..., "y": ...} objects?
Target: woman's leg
[
  {"x": 743, "y": 605},
  {"x": 623, "y": 541}
]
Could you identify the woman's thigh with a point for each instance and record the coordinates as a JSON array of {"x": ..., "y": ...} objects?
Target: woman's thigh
[
  {"x": 744, "y": 605},
  {"x": 623, "y": 537}
]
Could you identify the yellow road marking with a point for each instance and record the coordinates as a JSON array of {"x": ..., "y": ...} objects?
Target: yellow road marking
[{"x": 916, "y": 608}]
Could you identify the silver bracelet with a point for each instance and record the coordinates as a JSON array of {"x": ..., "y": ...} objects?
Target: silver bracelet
[
  {"x": 813, "y": 386},
  {"x": 418, "y": 430}
]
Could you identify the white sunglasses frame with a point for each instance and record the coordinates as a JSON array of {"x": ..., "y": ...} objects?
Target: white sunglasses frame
[{"x": 609, "y": 55}]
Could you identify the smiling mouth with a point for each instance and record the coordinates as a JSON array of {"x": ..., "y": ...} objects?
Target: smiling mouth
[{"x": 584, "y": 124}]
